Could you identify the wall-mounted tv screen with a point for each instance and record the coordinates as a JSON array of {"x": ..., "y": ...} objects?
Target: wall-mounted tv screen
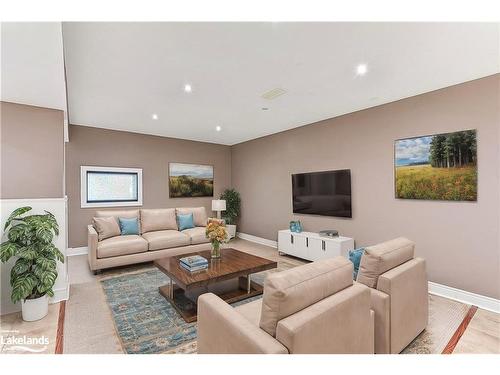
[{"x": 322, "y": 193}]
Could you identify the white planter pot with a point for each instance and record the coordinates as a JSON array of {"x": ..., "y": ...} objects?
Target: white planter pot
[
  {"x": 35, "y": 309},
  {"x": 231, "y": 230}
]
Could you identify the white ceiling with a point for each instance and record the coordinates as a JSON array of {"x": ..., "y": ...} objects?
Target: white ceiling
[
  {"x": 32, "y": 64},
  {"x": 119, "y": 74}
]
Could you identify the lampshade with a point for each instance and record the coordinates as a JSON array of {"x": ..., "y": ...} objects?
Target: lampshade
[{"x": 219, "y": 205}]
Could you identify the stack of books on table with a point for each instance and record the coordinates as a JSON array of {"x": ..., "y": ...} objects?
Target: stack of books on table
[{"x": 194, "y": 263}]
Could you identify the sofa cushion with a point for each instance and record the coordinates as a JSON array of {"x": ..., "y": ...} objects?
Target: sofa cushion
[
  {"x": 158, "y": 219},
  {"x": 382, "y": 257},
  {"x": 251, "y": 311},
  {"x": 129, "y": 226},
  {"x": 292, "y": 290},
  {"x": 199, "y": 214},
  {"x": 166, "y": 239},
  {"x": 197, "y": 235},
  {"x": 355, "y": 257},
  {"x": 185, "y": 221},
  {"x": 121, "y": 245},
  {"x": 106, "y": 227},
  {"x": 118, "y": 213}
]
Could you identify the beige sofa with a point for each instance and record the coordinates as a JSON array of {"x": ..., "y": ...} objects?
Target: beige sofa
[
  {"x": 399, "y": 293},
  {"x": 159, "y": 237},
  {"x": 314, "y": 308}
]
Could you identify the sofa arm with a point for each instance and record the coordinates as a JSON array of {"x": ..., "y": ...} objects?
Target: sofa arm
[
  {"x": 339, "y": 324},
  {"x": 381, "y": 304},
  {"x": 92, "y": 240},
  {"x": 407, "y": 288},
  {"x": 222, "y": 330}
]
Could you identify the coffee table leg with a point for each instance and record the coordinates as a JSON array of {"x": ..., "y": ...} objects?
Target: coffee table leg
[
  {"x": 249, "y": 283},
  {"x": 171, "y": 291}
]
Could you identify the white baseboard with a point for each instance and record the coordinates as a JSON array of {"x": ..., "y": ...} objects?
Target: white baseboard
[
  {"x": 61, "y": 294},
  {"x": 483, "y": 302},
  {"x": 71, "y": 251},
  {"x": 259, "y": 240}
]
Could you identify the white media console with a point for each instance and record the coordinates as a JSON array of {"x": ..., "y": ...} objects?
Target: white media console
[{"x": 312, "y": 246}]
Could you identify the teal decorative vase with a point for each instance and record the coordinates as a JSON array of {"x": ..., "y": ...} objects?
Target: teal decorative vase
[{"x": 295, "y": 226}]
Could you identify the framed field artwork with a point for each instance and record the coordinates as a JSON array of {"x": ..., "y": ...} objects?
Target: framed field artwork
[
  {"x": 437, "y": 167},
  {"x": 190, "y": 180}
]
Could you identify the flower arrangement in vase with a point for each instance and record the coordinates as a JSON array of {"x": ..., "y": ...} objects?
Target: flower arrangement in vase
[{"x": 216, "y": 232}]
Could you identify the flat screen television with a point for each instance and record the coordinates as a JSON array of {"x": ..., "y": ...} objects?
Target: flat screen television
[{"x": 322, "y": 193}]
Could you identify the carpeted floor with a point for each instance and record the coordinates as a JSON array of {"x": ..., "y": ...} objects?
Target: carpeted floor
[
  {"x": 92, "y": 326},
  {"x": 445, "y": 316}
]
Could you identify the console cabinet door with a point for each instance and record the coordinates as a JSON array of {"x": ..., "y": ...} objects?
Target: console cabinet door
[
  {"x": 315, "y": 249},
  {"x": 332, "y": 249},
  {"x": 323, "y": 248},
  {"x": 296, "y": 247},
  {"x": 346, "y": 246},
  {"x": 292, "y": 244},
  {"x": 284, "y": 242}
]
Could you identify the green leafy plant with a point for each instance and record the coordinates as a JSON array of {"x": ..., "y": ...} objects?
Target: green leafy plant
[
  {"x": 233, "y": 202},
  {"x": 30, "y": 240}
]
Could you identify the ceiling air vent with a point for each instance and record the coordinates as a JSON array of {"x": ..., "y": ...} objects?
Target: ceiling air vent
[{"x": 274, "y": 93}]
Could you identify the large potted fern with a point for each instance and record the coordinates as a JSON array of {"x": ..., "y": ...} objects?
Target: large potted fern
[
  {"x": 233, "y": 202},
  {"x": 29, "y": 239}
]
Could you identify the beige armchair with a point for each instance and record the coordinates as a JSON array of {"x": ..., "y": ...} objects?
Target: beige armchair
[
  {"x": 399, "y": 293},
  {"x": 314, "y": 308}
]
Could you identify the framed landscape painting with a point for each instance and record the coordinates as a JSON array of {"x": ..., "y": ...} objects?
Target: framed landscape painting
[
  {"x": 190, "y": 180},
  {"x": 437, "y": 167}
]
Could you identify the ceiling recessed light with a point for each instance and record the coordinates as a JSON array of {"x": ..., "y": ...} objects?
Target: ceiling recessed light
[
  {"x": 218, "y": 128},
  {"x": 188, "y": 88},
  {"x": 361, "y": 69},
  {"x": 154, "y": 116}
]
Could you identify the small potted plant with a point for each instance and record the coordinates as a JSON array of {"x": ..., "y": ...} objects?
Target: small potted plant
[
  {"x": 233, "y": 202},
  {"x": 217, "y": 234},
  {"x": 29, "y": 239}
]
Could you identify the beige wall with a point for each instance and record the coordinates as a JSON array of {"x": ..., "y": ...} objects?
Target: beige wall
[
  {"x": 32, "y": 152},
  {"x": 460, "y": 241},
  {"x": 109, "y": 148}
]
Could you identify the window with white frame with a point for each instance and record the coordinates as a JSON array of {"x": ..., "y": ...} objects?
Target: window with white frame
[{"x": 110, "y": 187}]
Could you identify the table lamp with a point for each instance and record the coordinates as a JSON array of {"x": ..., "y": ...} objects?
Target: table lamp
[{"x": 218, "y": 205}]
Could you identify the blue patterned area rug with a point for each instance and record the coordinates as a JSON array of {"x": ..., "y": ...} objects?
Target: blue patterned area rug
[{"x": 145, "y": 321}]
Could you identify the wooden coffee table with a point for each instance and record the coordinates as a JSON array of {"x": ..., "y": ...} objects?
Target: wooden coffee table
[{"x": 228, "y": 277}]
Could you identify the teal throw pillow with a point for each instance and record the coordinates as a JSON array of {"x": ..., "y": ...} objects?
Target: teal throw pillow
[
  {"x": 355, "y": 257},
  {"x": 129, "y": 225},
  {"x": 185, "y": 221}
]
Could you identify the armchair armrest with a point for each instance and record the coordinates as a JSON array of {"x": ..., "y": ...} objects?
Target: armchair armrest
[
  {"x": 92, "y": 240},
  {"x": 222, "y": 330},
  {"x": 407, "y": 288},
  {"x": 339, "y": 324},
  {"x": 381, "y": 304}
]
